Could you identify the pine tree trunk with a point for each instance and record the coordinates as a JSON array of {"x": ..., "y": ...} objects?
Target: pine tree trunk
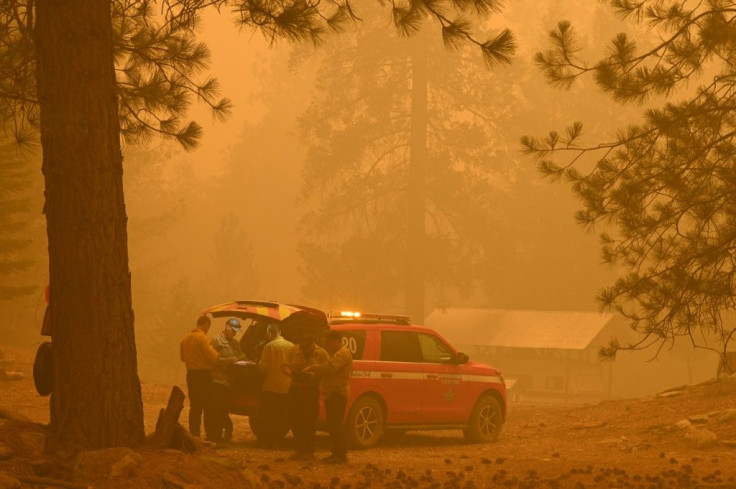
[
  {"x": 417, "y": 186},
  {"x": 97, "y": 397}
]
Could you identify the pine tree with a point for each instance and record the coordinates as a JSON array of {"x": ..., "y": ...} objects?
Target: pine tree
[
  {"x": 665, "y": 186},
  {"x": 233, "y": 273},
  {"x": 176, "y": 311},
  {"x": 159, "y": 65},
  {"x": 402, "y": 152},
  {"x": 15, "y": 204}
]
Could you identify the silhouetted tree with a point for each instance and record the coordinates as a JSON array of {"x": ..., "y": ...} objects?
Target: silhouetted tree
[
  {"x": 402, "y": 154},
  {"x": 67, "y": 86},
  {"x": 158, "y": 66},
  {"x": 233, "y": 274},
  {"x": 175, "y": 314},
  {"x": 83, "y": 72},
  {"x": 90, "y": 304},
  {"x": 15, "y": 203},
  {"x": 665, "y": 185}
]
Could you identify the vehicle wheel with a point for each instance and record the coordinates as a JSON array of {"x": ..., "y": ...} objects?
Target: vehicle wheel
[
  {"x": 43, "y": 371},
  {"x": 364, "y": 426},
  {"x": 256, "y": 426},
  {"x": 485, "y": 421}
]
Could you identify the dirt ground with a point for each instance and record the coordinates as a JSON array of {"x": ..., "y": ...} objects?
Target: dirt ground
[{"x": 614, "y": 444}]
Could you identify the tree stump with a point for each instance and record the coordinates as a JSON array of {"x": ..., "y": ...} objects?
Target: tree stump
[
  {"x": 183, "y": 440},
  {"x": 169, "y": 433}
]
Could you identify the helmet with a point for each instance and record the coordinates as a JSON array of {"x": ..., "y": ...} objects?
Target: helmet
[{"x": 233, "y": 324}]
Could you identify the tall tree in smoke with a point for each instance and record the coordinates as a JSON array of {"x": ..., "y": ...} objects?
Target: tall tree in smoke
[
  {"x": 233, "y": 274},
  {"x": 14, "y": 204},
  {"x": 401, "y": 159},
  {"x": 91, "y": 306},
  {"x": 83, "y": 72},
  {"x": 666, "y": 185},
  {"x": 117, "y": 68}
]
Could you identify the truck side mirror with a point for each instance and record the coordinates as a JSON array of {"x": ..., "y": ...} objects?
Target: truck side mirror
[{"x": 461, "y": 358}]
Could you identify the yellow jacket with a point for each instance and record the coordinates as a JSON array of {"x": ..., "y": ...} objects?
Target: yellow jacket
[
  {"x": 337, "y": 372},
  {"x": 197, "y": 352},
  {"x": 274, "y": 356},
  {"x": 297, "y": 362}
]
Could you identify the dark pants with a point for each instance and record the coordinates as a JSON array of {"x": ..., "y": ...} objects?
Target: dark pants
[
  {"x": 199, "y": 385},
  {"x": 303, "y": 412},
  {"x": 220, "y": 418},
  {"x": 273, "y": 416},
  {"x": 335, "y": 405}
]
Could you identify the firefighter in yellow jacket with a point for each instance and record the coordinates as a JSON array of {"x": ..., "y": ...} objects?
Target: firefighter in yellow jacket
[
  {"x": 200, "y": 357},
  {"x": 335, "y": 373}
]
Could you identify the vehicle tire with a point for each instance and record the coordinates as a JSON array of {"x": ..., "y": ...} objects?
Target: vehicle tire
[
  {"x": 255, "y": 428},
  {"x": 43, "y": 369},
  {"x": 364, "y": 426},
  {"x": 485, "y": 421}
]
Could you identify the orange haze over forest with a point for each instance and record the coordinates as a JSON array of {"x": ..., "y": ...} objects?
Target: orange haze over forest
[{"x": 227, "y": 220}]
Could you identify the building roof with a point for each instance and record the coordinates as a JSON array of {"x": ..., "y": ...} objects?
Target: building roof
[{"x": 569, "y": 330}]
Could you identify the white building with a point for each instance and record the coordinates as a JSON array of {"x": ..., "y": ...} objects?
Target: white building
[{"x": 553, "y": 355}]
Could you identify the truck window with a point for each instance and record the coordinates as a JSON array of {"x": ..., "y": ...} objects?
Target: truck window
[
  {"x": 434, "y": 350},
  {"x": 399, "y": 346}
]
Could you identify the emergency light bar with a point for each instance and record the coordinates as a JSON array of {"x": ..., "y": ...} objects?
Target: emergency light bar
[{"x": 354, "y": 315}]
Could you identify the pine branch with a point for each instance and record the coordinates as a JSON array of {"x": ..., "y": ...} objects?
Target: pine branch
[
  {"x": 456, "y": 33},
  {"x": 499, "y": 49},
  {"x": 408, "y": 21}
]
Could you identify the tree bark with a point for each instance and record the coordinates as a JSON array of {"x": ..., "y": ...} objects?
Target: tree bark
[
  {"x": 417, "y": 184},
  {"x": 97, "y": 397}
]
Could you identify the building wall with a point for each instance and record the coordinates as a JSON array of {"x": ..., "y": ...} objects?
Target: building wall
[
  {"x": 547, "y": 375},
  {"x": 553, "y": 376}
]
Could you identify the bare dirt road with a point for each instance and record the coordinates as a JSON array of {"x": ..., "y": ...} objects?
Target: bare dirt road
[{"x": 614, "y": 444}]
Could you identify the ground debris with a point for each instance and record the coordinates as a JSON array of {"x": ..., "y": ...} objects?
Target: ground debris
[
  {"x": 703, "y": 438},
  {"x": 6, "y": 452},
  {"x": 8, "y": 481},
  {"x": 589, "y": 426},
  {"x": 172, "y": 481},
  {"x": 670, "y": 393},
  {"x": 14, "y": 416},
  {"x": 97, "y": 464},
  {"x": 45, "y": 481}
]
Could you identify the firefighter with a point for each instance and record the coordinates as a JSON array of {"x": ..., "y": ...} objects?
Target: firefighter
[
  {"x": 200, "y": 357},
  {"x": 229, "y": 352},
  {"x": 336, "y": 374},
  {"x": 273, "y": 415},
  {"x": 304, "y": 394}
]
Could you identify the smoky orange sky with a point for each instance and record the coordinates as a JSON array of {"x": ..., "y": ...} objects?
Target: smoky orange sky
[{"x": 255, "y": 75}]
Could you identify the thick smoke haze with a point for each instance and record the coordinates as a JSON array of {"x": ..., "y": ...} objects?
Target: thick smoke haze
[{"x": 227, "y": 220}]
